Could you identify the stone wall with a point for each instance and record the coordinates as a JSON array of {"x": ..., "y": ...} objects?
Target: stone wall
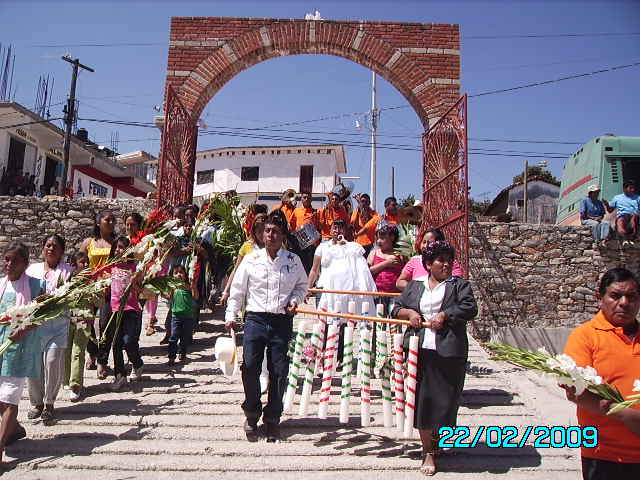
[
  {"x": 538, "y": 276},
  {"x": 30, "y": 219}
]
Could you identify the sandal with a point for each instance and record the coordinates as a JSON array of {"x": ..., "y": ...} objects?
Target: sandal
[
  {"x": 90, "y": 364},
  {"x": 150, "y": 330},
  {"x": 47, "y": 416},
  {"x": 35, "y": 412},
  {"x": 102, "y": 373},
  {"x": 427, "y": 469}
]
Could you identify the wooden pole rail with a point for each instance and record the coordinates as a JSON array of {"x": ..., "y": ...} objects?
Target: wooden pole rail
[
  {"x": 351, "y": 292},
  {"x": 391, "y": 321}
]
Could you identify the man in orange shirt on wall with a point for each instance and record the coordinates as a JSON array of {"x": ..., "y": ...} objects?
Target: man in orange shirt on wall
[
  {"x": 301, "y": 216},
  {"x": 364, "y": 221},
  {"x": 610, "y": 343},
  {"x": 331, "y": 212}
]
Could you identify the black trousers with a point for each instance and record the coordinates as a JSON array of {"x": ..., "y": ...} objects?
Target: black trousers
[
  {"x": 595, "y": 469},
  {"x": 273, "y": 332},
  {"x": 107, "y": 331},
  {"x": 127, "y": 337}
]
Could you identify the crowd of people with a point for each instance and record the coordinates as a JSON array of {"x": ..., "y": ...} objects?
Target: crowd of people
[
  {"x": 626, "y": 206},
  {"x": 288, "y": 251}
]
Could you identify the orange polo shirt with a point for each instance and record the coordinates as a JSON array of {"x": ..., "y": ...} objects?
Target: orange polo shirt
[
  {"x": 369, "y": 235},
  {"x": 327, "y": 216},
  {"x": 287, "y": 209},
  {"x": 302, "y": 215},
  {"x": 606, "y": 348}
]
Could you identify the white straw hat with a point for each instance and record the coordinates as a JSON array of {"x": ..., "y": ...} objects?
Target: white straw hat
[
  {"x": 594, "y": 188},
  {"x": 226, "y": 354}
]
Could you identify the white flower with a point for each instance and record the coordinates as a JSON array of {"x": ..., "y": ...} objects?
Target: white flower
[
  {"x": 155, "y": 268},
  {"x": 566, "y": 362},
  {"x": 543, "y": 351},
  {"x": 591, "y": 375},
  {"x": 636, "y": 386},
  {"x": 170, "y": 224}
]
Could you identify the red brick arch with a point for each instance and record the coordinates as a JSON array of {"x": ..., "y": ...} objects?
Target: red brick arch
[{"x": 422, "y": 60}]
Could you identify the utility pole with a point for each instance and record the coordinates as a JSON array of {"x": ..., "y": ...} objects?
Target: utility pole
[
  {"x": 374, "y": 128},
  {"x": 70, "y": 112},
  {"x": 393, "y": 181},
  {"x": 525, "y": 202}
]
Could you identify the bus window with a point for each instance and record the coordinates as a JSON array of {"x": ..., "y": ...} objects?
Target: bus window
[{"x": 631, "y": 169}]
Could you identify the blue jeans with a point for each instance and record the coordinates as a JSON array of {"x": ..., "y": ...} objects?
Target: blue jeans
[
  {"x": 181, "y": 330},
  {"x": 127, "y": 337},
  {"x": 272, "y": 331},
  {"x": 599, "y": 230}
]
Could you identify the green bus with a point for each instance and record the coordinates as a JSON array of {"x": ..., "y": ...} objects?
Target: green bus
[{"x": 608, "y": 161}]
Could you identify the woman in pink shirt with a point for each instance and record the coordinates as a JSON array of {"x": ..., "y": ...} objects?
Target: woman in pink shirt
[
  {"x": 127, "y": 334},
  {"x": 414, "y": 268}
]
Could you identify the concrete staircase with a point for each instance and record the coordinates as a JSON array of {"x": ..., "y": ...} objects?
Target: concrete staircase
[{"x": 185, "y": 422}]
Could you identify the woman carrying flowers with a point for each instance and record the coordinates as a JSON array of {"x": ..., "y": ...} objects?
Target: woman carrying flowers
[
  {"x": 21, "y": 359},
  {"x": 610, "y": 343},
  {"x": 53, "y": 333},
  {"x": 440, "y": 305},
  {"x": 98, "y": 247}
]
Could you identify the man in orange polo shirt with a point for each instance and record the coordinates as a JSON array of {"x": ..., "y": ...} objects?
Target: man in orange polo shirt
[
  {"x": 328, "y": 214},
  {"x": 364, "y": 221},
  {"x": 610, "y": 343},
  {"x": 301, "y": 216}
]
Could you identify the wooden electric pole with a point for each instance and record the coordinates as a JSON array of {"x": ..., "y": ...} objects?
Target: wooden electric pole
[{"x": 70, "y": 113}]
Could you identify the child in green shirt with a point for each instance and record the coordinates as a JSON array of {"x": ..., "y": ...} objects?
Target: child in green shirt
[{"x": 182, "y": 305}]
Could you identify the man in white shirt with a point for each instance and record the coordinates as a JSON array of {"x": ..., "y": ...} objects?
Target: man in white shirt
[{"x": 274, "y": 282}]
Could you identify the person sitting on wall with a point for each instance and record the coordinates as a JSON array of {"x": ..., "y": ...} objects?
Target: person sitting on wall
[
  {"x": 592, "y": 213},
  {"x": 628, "y": 209}
]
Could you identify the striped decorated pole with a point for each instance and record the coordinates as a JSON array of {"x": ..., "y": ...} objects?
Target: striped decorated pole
[
  {"x": 295, "y": 367},
  {"x": 410, "y": 386},
  {"x": 327, "y": 374},
  {"x": 312, "y": 365},
  {"x": 365, "y": 378},
  {"x": 398, "y": 380},
  {"x": 338, "y": 322},
  {"x": 382, "y": 352},
  {"x": 351, "y": 309},
  {"x": 363, "y": 326},
  {"x": 347, "y": 368},
  {"x": 323, "y": 332}
]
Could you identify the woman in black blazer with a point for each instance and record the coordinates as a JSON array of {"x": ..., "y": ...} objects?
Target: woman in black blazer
[{"x": 439, "y": 305}]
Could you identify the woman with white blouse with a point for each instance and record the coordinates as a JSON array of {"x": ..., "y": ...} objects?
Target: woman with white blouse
[{"x": 439, "y": 305}]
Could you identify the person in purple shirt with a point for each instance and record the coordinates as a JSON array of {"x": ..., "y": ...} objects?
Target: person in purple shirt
[
  {"x": 592, "y": 213},
  {"x": 628, "y": 208}
]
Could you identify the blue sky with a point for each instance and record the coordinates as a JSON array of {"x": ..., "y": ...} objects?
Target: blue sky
[{"x": 129, "y": 80}]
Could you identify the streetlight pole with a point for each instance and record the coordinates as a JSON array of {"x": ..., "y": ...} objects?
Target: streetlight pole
[
  {"x": 374, "y": 127},
  {"x": 525, "y": 202},
  {"x": 68, "y": 119}
]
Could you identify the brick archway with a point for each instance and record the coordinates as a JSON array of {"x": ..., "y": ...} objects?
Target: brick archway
[{"x": 422, "y": 60}]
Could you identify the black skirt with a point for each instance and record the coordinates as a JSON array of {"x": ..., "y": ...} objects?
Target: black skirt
[{"x": 440, "y": 384}]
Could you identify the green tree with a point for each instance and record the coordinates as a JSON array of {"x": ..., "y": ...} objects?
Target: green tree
[
  {"x": 535, "y": 171},
  {"x": 407, "y": 201},
  {"x": 477, "y": 207}
]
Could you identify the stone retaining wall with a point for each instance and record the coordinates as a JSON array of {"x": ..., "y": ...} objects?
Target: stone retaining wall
[
  {"x": 30, "y": 219},
  {"x": 538, "y": 276}
]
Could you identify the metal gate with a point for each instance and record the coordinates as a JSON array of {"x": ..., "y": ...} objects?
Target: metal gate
[
  {"x": 446, "y": 180},
  {"x": 178, "y": 154}
]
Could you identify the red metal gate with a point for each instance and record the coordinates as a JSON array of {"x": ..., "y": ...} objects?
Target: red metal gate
[
  {"x": 178, "y": 154},
  {"x": 446, "y": 180}
]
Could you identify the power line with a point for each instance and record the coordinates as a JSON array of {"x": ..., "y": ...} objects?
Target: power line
[
  {"x": 30, "y": 123},
  {"x": 551, "y": 35},
  {"x": 561, "y": 79}
]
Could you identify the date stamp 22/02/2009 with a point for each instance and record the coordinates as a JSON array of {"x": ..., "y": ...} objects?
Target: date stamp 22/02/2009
[{"x": 517, "y": 437}]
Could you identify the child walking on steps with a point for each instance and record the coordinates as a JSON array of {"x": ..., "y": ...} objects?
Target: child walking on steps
[
  {"x": 77, "y": 344},
  {"x": 182, "y": 306},
  {"x": 127, "y": 333}
]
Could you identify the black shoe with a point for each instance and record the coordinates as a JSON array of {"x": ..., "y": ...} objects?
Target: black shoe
[
  {"x": 183, "y": 358},
  {"x": 250, "y": 430},
  {"x": 48, "y": 417},
  {"x": 272, "y": 431},
  {"x": 171, "y": 361},
  {"x": 165, "y": 340},
  {"x": 17, "y": 435},
  {"x": 35, "y": 412}
]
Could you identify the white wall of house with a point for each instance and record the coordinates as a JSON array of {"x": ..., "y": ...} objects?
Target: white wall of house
[
  {"x": 92, "y": 187},
  {"x": 279, "y": 168}
]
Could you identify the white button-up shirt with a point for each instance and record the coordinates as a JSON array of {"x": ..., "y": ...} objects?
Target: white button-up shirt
[
  {"x": 269, "y": 285},
  {"x": 430, "y": 304}
]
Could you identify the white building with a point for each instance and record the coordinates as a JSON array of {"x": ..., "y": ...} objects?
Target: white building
[
  {"x": 261, "y": 174},
  {"x": 31, "y": 145}
]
